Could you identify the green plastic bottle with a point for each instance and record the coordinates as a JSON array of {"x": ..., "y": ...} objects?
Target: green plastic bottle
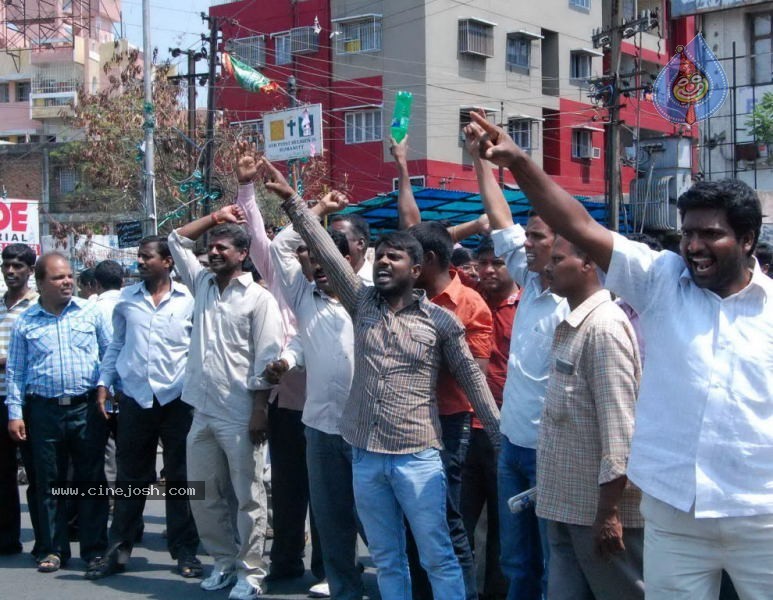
[{"x": 402, "y": 115}]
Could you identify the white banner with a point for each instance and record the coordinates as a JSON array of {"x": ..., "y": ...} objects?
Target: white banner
[
  {"x": 293, "y": 133},
  {"x": 19, "y": 223}
]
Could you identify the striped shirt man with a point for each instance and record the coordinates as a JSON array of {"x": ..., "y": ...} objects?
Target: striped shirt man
[
  {"x": 393, "y": 407},
  {"x": 8, "y": 317}
]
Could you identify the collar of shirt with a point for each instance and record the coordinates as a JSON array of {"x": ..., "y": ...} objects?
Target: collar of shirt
[
  {"x": 74, "y": 304},
  {"x": 245, "y": 279},
  {"x": 419, "y": 298},
  {"x": 759, "y": 281},
  {"x": 174, "y": 290},
  {"x": 452, "y": 291},
  {"x": 509, "y": 301},
  {"x": 30, "y": 296},
  {"x": 579, "y": 314}
]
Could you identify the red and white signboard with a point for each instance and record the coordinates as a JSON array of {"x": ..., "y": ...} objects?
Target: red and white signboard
[{"x": 19, "y": 223}]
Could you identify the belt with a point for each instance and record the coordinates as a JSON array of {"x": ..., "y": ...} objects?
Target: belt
[{"x": 63, "y": 400}]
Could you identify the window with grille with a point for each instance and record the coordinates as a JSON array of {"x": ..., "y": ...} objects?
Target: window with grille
[
  {"x": 23, "y": 91},
  {"x": 580, "y": 68},
  {"x": 5, "y": 92},
  {"x": 582, "y": 144},
  {"x": 363, "y": 126},
  {"x": 68, "y": 180},
  {"x": 304, "y": 40},
  {"x": 518, "y": 53},
  {"x": 361, "y": 34},
  {"x": 250, "y": 50},
  {"x": 283, "y": 49},
  {"x": 581, "y": 4},
  {"x": 476, "y": 38},
  {"x": 762, "y": 47},
  {"x": 520, "y": 131}
]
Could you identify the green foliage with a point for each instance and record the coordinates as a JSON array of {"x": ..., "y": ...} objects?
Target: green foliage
[{"x": 760, "y": 124}]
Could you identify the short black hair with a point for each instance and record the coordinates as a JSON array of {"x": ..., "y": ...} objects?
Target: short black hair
[
  {"x": 40, "y": 265},
  {"x": 85, "y": 277},
  {"x": 764, "y": 254},
  {"x": 236, "y": 233},
  {"x": 249, "y": 267},
  {"x": 20, "y": 252},
  {"x": 340, "y": 241},
  {"x": 486, "y": 244},
  {"x": 109, "y": 274},
  {"x": 645, "y": 238},
  {"x": 359, "y": 225},
  {"x": 404, "y": 241},
  {"x": 162, "y": 244},
  {"x": 460, "y": 257},
  {"x": 433, "y": 237},
  {"x": 739, "y": 202}
]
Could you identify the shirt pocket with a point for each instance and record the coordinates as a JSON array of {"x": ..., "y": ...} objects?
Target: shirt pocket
[
  {"x": 83, "y": 336},
  {"x": 42, "y": 340},
  {"x": 236, "y": 330},
  {"x": 177, "y": 330},
  {"x": 421, "y": 344}
]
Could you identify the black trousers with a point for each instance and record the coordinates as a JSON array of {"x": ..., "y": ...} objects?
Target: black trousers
[
  {"x": 139, "y": 430},
  {"x": 58, "y": 434},
  {"x": 290, "y": 493},
  {"x": 479, "y": 489},
  {"x": 10, "y": 507}
]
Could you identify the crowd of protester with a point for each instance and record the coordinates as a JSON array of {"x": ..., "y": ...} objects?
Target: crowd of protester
[{"x": 401, "y": 397}]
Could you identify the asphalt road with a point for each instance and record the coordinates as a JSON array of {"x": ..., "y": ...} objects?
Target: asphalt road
[{"x": 150, "y": 573}]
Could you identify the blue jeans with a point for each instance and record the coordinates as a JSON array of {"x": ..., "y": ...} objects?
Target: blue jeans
[
  {"x": 329, "y": 462},
  {"x": 522, "y": 537},
  {"x": 456, "y": 441},
  {"x": 388, "y": 487}
]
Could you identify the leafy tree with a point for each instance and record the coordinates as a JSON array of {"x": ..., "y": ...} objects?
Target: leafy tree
[{"x": 760, "y": 124}]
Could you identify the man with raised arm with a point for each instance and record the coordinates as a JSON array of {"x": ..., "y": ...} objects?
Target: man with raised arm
[
  {"x": 286, "y": 440},
  {"x": 326, "y": 339},
  {"x": 702, "y": 451},
  {"x": 523, "y": 540},
  {"x": 237, "y": 332},
  {"x": 391, "y": 418}
]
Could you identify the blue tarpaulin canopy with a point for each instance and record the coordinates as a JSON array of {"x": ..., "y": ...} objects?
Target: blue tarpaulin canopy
[{"x": 453, "y": 206}]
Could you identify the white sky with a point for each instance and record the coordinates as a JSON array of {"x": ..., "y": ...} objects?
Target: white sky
[{"x": 173, "y": 23}]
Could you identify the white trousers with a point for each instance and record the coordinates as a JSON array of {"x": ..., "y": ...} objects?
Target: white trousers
[
  {"x": 684, "y": 556},
  {"x": 222, "y": 456}
]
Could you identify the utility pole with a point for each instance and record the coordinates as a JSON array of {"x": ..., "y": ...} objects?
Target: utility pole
[
  {"x": 613, "y": 128},
  {"x": 149, "y": 176},
  {"x": 609, "y": 90},
  {"x": 292, "y": 165},
  {"x": 190, "y": 78},
  {"x": 210, "y": 142}
]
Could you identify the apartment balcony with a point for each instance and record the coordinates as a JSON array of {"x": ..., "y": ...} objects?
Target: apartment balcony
[{"x": 52, "y": 105}]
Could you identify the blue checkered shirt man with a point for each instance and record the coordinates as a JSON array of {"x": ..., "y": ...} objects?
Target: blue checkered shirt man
[{"x": 54, "y": 356}]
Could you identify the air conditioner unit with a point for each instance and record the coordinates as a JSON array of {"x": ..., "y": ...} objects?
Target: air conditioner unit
[
  {"x": 585, "y": 152},
  {"x": 596, "y": 152}
]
